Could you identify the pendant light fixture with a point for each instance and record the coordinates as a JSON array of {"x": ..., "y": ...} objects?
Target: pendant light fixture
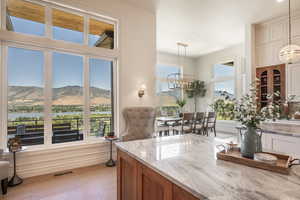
[
  {"x": 179, "y": 80},
  {"x": 290, "y": 54}
]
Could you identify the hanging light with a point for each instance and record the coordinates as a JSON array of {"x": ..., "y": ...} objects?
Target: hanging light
[
  {"x": 291, "y": 53},
  {"x": 178, "y": 80}
]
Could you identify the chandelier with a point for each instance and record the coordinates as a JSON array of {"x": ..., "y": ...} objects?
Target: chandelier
[
  {"x": 180, "y": 80},
  {"x": 291, "y": 53}
]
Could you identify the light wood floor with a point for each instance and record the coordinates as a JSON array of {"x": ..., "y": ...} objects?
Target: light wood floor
[{"x": 91, "y": 183}]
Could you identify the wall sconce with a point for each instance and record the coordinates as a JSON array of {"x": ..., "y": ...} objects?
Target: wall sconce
[{"x": 141, "y": 91}]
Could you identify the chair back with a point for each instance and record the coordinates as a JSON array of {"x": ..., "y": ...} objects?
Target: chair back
[
  {"x": 139, "y": 123},
  {"x": 200, "y": 116},
  {"x": 102, "y": 127},
  {"x": 211, "y": 118},
  {"x": 188, "y": 117},
  {"x": 20, "y": 129}
]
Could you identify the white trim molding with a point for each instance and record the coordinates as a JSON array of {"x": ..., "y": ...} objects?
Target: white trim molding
[{"x": 37, "y": 162}]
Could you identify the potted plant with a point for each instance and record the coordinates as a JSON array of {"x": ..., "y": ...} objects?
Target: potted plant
[
  {"x": 181, "y": 103},
  {"x": 247, "y": 112},
  {"x": 195, "y": 90}
]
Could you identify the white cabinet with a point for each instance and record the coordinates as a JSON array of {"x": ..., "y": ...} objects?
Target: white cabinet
[
  {"x": 293, "y": 80},
  {"x": 271, "y": 36},
  {"x": 283, "y": 144}
]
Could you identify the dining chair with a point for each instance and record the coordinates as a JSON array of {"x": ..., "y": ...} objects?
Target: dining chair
[
  {"x": 162, "y": 128},
  {"x": 210, "y": 123},
  {"x": 186, "y": 124},
  {"x": 199, "y": 123}
]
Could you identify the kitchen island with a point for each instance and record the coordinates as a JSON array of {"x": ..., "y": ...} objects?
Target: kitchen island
[{"x": 185, "y": 168}]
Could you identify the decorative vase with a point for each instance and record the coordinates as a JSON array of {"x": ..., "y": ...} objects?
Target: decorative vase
[{"x": 250, "y": 142}]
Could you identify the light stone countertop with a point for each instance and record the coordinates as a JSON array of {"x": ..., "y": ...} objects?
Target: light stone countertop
[
  {"x": 190, "y": 162},
  {"x": 283, "y": 127}
]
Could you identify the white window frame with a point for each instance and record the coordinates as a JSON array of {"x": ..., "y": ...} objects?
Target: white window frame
[
  {"x": 48, "y": 45},
  {"x": 224, "y": 78}
]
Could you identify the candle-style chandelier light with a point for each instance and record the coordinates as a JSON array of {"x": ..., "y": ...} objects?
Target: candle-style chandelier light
[{"x": 180, "y": 80}]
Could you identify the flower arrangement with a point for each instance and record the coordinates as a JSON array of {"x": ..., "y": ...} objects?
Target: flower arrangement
[{"x": 247, "y": 112}]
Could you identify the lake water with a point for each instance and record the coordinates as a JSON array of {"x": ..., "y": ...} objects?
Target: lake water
[{"x": 13, "y": 116}]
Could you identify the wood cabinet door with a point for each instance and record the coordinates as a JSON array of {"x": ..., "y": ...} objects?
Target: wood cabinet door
[
  {"x": 127, "y": 177},
  {"x": 181, "y": 194},
  {"x": 272, "y": 79},
  {"x": 152, "y": 186}
]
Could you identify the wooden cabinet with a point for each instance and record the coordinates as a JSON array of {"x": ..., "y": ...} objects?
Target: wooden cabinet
[
  {"x": 152, "y": 185},
  {"x": 127, "y": 177},
  {"x": 138, "y": 182},
  {"x": 271, "y": 80},
  {"x": 180, "y": 194}
]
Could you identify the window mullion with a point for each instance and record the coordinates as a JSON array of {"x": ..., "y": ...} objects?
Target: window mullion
[
  {"x": 48, "y": 98},
  {"x": 3, "y": 14},
  {"x": 3, "y": 73},
  {"x": 86, "y": 30},
  {"x": 48, "y": 21},
  {"x": 115, "y": 104},
  {"x": 86, "y": 97}
]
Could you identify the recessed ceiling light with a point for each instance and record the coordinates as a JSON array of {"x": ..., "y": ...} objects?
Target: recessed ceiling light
[{"x": 279, "y": 1}]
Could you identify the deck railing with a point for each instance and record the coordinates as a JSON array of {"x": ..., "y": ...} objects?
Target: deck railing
[{"x": 63, "y": 130}]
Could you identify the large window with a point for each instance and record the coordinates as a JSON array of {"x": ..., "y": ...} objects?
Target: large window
[
  {"x": 25, "y": 69},
  {"x": 30, "y": 18},
  {"x": 67, "y": 26},
  {"x": 57, "y": 93},
  {"x": 67, "y": 98},
  {"x": 101, "y": 34},
  {"x": 100, "y": 96},
  {"x": 25, "y": 17},
  {"x": 224, "y": 90},
  {"x": 166, "y": 97},
  {"x": 224, "y": 80}
]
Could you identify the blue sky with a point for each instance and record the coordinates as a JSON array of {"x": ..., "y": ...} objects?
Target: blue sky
[
  {"x": 25, "y": 67},
  {"x": 223, "y": 71}
]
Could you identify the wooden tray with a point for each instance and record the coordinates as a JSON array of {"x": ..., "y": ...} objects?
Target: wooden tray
[{"x": 282, "y": 166}]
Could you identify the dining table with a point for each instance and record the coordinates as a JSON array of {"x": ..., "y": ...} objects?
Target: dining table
[{"x": 167, "y": 120}]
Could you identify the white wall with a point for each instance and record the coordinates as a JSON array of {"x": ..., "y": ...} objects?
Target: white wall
[
  {"x": 188, "y": 69},
  {"x": 136, "y": 66},
  {"x": 205, "y": 65}
]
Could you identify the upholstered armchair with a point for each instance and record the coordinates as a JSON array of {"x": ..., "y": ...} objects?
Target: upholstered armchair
[
  {"x": 4, "y": 167},
  {"x": 139, "y": 123}
]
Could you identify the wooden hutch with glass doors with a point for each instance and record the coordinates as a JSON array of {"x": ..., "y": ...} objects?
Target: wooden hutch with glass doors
[{"x": 271, "y": 79}]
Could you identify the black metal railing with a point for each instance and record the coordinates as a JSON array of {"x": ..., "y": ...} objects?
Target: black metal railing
[{"x": 63, "y": 130}]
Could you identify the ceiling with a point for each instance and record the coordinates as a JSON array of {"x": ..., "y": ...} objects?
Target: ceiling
[{"x": 211, "y": 25}]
